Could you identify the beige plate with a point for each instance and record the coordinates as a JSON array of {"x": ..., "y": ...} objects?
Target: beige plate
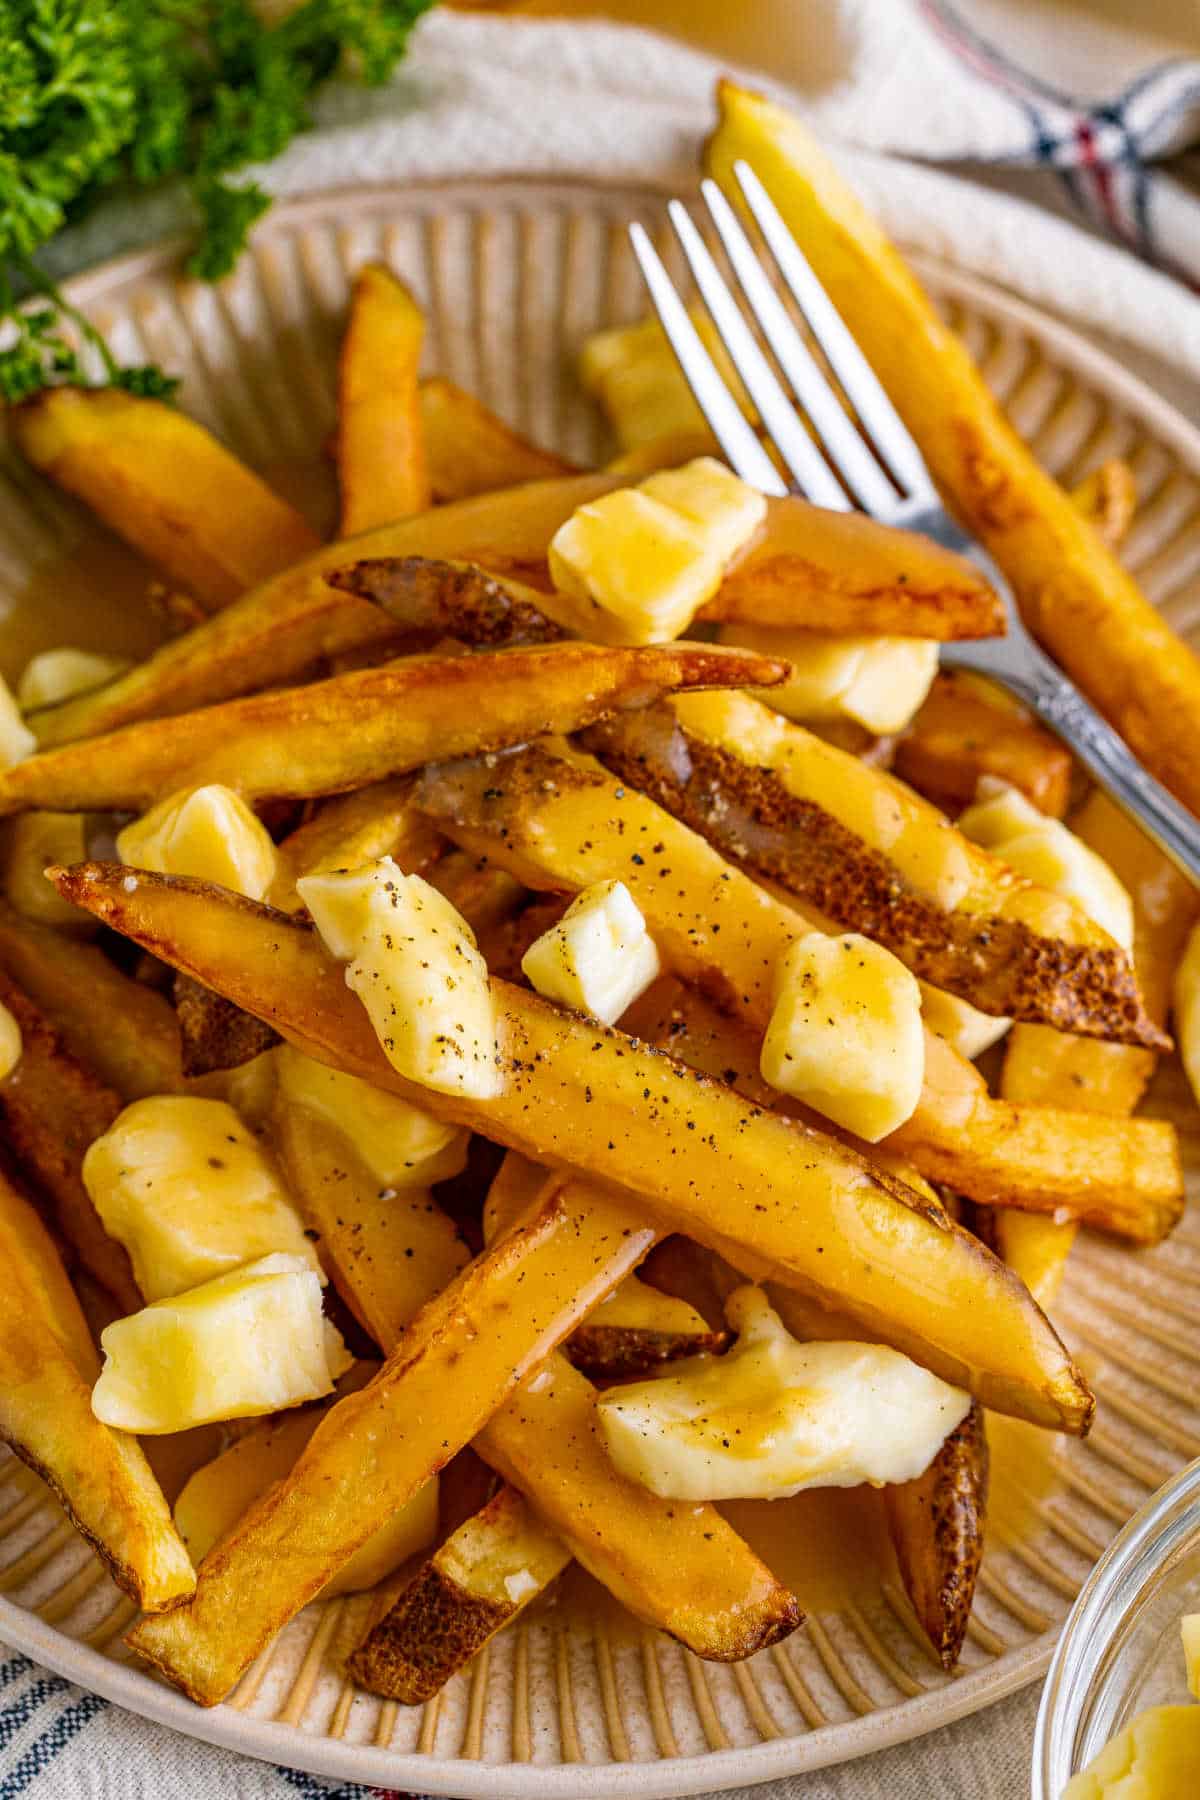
[{"x": 515, "y": 273}]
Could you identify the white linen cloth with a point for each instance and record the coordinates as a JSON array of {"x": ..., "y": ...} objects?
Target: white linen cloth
[{"x": 486, "y": 94}]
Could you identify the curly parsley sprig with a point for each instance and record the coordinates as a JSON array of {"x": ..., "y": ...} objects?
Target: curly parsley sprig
[{"x": 96, "y": 96}]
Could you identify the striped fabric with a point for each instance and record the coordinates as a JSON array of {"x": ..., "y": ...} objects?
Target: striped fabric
[
  {"x": 59, "y": 1743},
  {"x": 1123, "y": 162}
]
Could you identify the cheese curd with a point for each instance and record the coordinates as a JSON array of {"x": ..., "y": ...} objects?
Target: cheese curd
[
  {"x": 402, "y": 1145},
  {"x": 35, "y": 842},
  {"x": 1006, "y": 823},
  {"x": 845, "y": 1034},
  {"x": 638, "y": 564},
  {"x": 252, "y": 1342},
  {"x": 10, "y": 1043},
  {"x": 775, "y": 1416},
  {"x": 413, "y": 962},
  {"x": 190, "y": 1193},
  {"x": 881, "y": 682},
  {"x": 16, "y": 740},
  {"x": 57, "y": 675},
  {"x": 208, "y": 832},
  {"x": 960, "y": 1024},
  {"x": 599, "y": 957}
]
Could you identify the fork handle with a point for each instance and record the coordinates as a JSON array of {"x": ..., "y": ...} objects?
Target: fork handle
[{"x": 1061, "y": 706}]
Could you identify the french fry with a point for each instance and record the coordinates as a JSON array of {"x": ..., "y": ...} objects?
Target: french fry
[
  {"x": 470, "y": 451},
  {"x": 125, "y": 1032},
  {"x": 1073, "y": 593},
  {"x": 370, "y": 822},
  {"x": 461, "y": 1356},
  {"x": 215, "y": 1034},
  {"x": 1078, "y": 1074},
  {"x": 486, "y": 897},
  {"x": 936, "y": 1524},
  {"x": 959, "y": 735},
  {"x": 669, "y": 451},
  {"x": 165, "y": 485},
  {"x": 723, "y": 1603},
  {"x": 380, "y": 438},
  {"x": 811, "y": 567},
  {"x": 444, "y": 599},
  {"x": 637, "y": 1328},
  {"x": 868, "y": 853},
  {"x": 1107, "y": 499},
  {"x": 555, "y": 820},
  {"x": 829, "y": 1222},
  {"x": 47, "y": 1366},
  {"x": 386, "y": 1254},
  {"x": 472, "y": 1587},
  {"x": 53, "y": 1108},
  {"x": 300, "y": 743}
]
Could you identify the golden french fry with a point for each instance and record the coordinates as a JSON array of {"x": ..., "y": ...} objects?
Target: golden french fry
[
  {"x": 936, "y": 1524},
  {"x": 358, "y": 728},
  {"x": 810, "y": 567},
  {"x": 471, "y": 451},
  {"x": 448, "y": 599},
  {"x": 387, "y": 1254},
  {"x": 472, "y": 1587},
  {"x": 828, "y": 1220},
  {"x": 47, "y": 1366},
  {"x": 165, "y": 485},
  {"x": 1073, "y": 592},
  {"x": 1107, "y": 499},
  {"x": 380, "y": 438},
  {"x": 125, "y": 1032},
  {"x": 462, "y": 1355},
  {"x": 869, "y": 854},
  {"x": 53, "y": 1108},
  {"x": 1056, "y": 1069},
  {"x": 554, "y": 819},
  {"x": 487, "y": 898},
  {"x": 958, "y": 736},
  {"x": 351, "y": 829}
]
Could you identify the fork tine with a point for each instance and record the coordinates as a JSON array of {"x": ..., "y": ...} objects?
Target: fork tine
[
  {"x": 863, "y": 387},
  {"x": 843, "y": 443},
  {"x": 811, "y": 472},
  {"x": 732, "y": 430}
]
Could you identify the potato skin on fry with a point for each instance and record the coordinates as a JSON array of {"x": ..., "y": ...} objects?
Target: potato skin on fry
[
  {"x": 214, "y": 1033},
  {"x": 936, "y": 1524},
  {"x": 866, "y": 1238},
  {"x": 331, "y": 736}
]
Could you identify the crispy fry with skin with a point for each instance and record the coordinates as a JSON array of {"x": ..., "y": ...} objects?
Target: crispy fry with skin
[
  {"x": 53, "y": 1108},
  {"x": 447, "y": 599},
  {"x": 471, "y": 1588},
  {"x": 486, "y": 897},
  {"x": 1073, "y": 592},
  {"x": 556, "y": 820},
  {"x": 165, "y": 485},
  {"x": 462, "y": 1355},
  {"x": 126, "y": 1033},
  {"x": 830, "y": 1222},
  {"x": 281, "y": 629},
  {"x": 214, "y": 1033},
  {"x": 301, "y": 743},
  {"x": 470, "y": 451},
  {"x": 958, "y": 735},
  {"x": 1056, "y": 1069},
  {"x": 380, "y": 438},
  {"x": 47, "y": 1367},
  {"x": 351, "y": 829},
  {"x": 871, "y": 855},
  {"x": 936, "y": 1524},
  {"x": 723, "y": 1603}
]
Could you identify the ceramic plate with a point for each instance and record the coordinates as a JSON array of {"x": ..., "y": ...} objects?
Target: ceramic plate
[{"x": 576, "y": 1699}]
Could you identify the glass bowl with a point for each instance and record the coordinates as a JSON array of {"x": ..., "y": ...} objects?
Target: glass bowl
[{"x": 1120, "y": 1649}]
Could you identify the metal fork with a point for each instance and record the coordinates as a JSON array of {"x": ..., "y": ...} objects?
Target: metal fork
[{"x": 886, "y": 476}]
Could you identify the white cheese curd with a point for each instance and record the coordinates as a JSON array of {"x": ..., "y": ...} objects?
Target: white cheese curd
[
  {"x": 413, "y": 962},
  {"x": 1043, "y": 849},
  {"x": 775, "y": 1416},
  {"x": 599, "y": 957}
]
